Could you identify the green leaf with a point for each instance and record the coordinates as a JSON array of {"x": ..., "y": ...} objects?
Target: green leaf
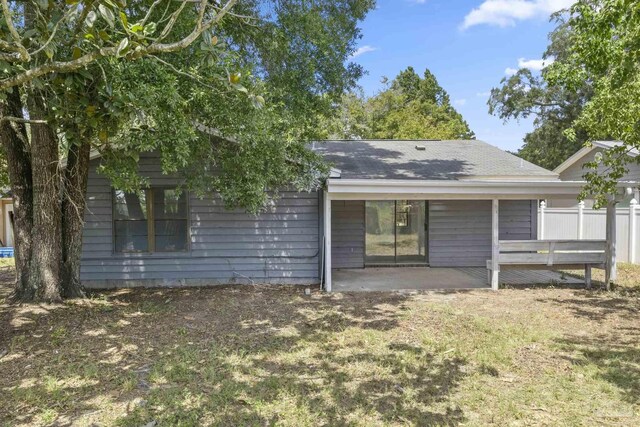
[
  {"x": 137, "y": 27},
  {"x": 77, "y": 53},
  {"x": 72, "y": 2},
  {"x": 240, "y": 88},
  {"x": 104, "y": 35},
  {"x": 43, "y": 4},
  {"x": 107, "y": 14},
  {"x": 122, "y": 47},
  {"x": 49, "y": 51},
  {"x": 149, "y": 29},
  {"x": 123, "y": 18},
  {"x": 91, "y": 19}
]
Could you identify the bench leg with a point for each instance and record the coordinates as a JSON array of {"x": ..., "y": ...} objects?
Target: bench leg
[
  {"x": 495, "y": 281},
  {"x": 587, "y": 276}
]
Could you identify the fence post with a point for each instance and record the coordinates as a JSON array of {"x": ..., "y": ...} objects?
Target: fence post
[
  {"x": 543, "y": 206},
  {"x": 580, "y": 219},
  {"x": 633, "y": 206}
]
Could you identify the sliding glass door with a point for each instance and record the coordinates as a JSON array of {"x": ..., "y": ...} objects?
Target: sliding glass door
[{"x": 396, "y": 232}]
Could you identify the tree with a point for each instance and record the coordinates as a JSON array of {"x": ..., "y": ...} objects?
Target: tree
[
  {"x": 229, "y": 86},
  {"x": 604, "y": 54},
  {"x": 553, "y": 106},
  {"x": 410, "y": 107}
]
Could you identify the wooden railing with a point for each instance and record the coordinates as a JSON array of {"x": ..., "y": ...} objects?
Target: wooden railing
[{"x": 550, "y": 254}]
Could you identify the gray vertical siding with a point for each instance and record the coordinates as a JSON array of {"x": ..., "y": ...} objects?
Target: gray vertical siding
[
  {"x": 460, "y": 230},
  {"x": 347, "y": 234},
  {"x": 279, "y": 246}
]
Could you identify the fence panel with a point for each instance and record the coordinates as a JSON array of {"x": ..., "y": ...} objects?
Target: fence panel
[{"x": 565, "y": 223}]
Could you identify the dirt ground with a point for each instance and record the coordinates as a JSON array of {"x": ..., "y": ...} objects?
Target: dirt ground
[{"x": 269, "y": 355}]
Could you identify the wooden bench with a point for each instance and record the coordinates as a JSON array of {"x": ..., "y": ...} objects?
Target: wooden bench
[{"x": 550, "y": 255}]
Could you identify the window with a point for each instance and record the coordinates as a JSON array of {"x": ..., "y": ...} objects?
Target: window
[{"x": 154, "y": 220}]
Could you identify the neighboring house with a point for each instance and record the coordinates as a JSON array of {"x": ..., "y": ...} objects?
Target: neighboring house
[
  {"x": 566, "y": 219},
  {"x": 436, "y": 203},
  {"x": 6, "y": 220},
  {"x": 574, "y": 169}
]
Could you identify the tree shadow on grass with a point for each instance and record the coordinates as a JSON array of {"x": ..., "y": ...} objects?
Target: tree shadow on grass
[
  {"x": 617, "y": 358},
  {"x": 224, "y": 356},
  {"x": 598, "y": 306}
]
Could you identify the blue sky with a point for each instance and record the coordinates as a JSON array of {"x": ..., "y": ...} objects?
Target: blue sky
[{"x": 468, "y": 44}]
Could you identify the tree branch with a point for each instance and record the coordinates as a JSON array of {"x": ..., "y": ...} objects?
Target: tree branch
[
  {"x": 21, "y": 120},
  {"x": 83, "y": 61},
  {"x": 183, "y": 73},
  {"x": 14, "y": 33},
  {"x": 148, "y": 15}
]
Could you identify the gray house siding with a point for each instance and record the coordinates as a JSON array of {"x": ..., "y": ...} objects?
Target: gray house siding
[
  {"x": 575, "y": 172},
  {"x": 347, "y": 234},
  {"x": 279, "y": 246},
  {"x": 460, "y": 230}
]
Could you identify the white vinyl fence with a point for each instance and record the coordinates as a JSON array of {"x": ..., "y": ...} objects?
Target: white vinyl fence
[{"x": 585, "y": 223}]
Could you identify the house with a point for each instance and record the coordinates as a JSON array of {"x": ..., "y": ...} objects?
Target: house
[
  {"x": 392, "y": 203},
  {"x": 574, "y": 168},
  {"x": 6, "y": 220}
]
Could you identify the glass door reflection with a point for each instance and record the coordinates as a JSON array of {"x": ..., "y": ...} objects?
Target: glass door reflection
[{"x": 395, "y": 232}]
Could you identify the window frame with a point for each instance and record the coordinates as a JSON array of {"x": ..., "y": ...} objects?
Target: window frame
[{"x": 151, "y": 236}]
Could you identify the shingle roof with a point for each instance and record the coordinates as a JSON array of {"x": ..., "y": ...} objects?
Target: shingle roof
[{"x": 426, "y": 160}]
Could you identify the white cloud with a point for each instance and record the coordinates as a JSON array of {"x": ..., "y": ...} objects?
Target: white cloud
[
  {"x": 510, "y": 71},
  {"x": 362, "y": 50},
  {"x": 460, "y": 102},
  {"x": 504, "y": 13},
  {"x": 532, "y": 64}
]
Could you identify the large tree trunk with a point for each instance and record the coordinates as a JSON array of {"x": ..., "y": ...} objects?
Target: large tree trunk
[
  {"x": 46, "y": 251},
  {"x": 73, "y": 206},
  {"x": 13, "y": 137}
]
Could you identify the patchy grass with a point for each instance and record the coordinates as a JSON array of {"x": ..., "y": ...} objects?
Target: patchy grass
[
  {"x": 628, "y": 280},
  {"x": 256, "y": 355}
]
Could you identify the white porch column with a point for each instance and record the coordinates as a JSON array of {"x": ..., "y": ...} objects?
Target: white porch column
[
  {"x": 633, "y": 244},
  {"x": 610, "y": 271},
  {"x": 495, "y": 244},
  {"x": 327, "y": 241},
  {"x": 543, "y": 206},
  {"x": 580, "y": 219}
]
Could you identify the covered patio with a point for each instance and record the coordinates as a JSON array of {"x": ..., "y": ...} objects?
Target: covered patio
[
  {"x": 536, "y": 263},
  {"x": 445, "y": 215}
]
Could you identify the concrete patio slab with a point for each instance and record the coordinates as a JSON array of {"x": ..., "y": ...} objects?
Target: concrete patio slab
[{"x": 426, "y": 278}]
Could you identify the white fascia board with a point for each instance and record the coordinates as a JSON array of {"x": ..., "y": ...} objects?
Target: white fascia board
[
  {"x": 357, "y": 189},
  {"x": 553, "y": 177}
]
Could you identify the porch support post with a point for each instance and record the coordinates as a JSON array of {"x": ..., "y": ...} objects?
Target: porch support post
[
  {"x": 610, "y": 267},
  {"x": 543, "y": 206},
  {"x": 327, "y": 241},
  {"x": 495, "y": 244},
  {"x": 580, "y": 219},
  {"x": 633, "y": 244}
]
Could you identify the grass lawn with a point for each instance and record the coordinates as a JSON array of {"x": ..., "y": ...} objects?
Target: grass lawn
[{"x": 259, "y": 355}]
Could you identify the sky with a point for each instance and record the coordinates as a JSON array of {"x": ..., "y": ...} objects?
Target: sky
[{"x": 470, "y": 45}]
